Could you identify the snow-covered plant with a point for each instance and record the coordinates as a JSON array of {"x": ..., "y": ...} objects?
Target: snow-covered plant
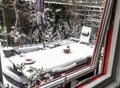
[
  {"x": 3, "y": 36},
  {"x": 38, "y": 77},
  {"x": 37, "y": 72},
  {"x": 19, "y": 67},
  {"x": 18, "y": 38}
]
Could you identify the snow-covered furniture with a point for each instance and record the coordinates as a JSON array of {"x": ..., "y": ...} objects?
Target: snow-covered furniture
[
  {"x": 55, "y": 60},
  {"x": 11, "y": 77},
  {"x": 85, "y": 35},
  {"x": 29, "y": 49}
]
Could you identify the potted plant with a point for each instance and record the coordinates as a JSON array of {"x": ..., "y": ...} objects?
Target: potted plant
[
  {"x": 67, "y": 50},
  {"x": 8, "y": 51}
]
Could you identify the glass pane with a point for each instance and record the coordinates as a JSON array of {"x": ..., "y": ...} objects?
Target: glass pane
[{"x": 42, "y": 41}]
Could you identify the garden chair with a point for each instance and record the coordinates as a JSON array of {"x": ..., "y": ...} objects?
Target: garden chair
[{"x": 85, "y": 35}]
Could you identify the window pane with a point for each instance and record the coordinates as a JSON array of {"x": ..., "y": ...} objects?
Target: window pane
[{"x": 48, "y": 40}]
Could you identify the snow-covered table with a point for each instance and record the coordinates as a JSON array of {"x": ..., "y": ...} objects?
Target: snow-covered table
[{"x": 55, "y": 60}]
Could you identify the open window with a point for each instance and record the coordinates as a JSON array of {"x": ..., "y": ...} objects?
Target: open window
[{"x": 73, "y": 46}]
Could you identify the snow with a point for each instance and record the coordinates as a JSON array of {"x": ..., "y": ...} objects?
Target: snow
[
  {"x": 51, "y": 59},
  {"x": 8, "y": 48},
  {"x": 54, "y": 59},
  {"x": 85, "y": 38},
  {"x": 57, "y": 10},
  {"x": 85, "y": 31}
]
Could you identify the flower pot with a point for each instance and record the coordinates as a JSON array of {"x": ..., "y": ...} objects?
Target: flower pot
[
  {"x": 66, "y": 51},
  {"x": 8, "y": 51},
  {"x": 29, "y": 61}
]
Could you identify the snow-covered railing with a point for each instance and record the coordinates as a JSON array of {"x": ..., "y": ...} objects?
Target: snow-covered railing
[{"x": 68, "y": 3}]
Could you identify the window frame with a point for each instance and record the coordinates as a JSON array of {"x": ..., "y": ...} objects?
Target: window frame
[{"x": 112, "y": 78}]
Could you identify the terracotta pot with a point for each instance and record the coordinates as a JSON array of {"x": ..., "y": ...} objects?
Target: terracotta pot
[
  {"x": 28, "y": 61},
  {"x": 66, "y": 51}
]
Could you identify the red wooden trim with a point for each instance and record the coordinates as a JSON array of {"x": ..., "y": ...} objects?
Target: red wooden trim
[{"x": 107, "y": 52}]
